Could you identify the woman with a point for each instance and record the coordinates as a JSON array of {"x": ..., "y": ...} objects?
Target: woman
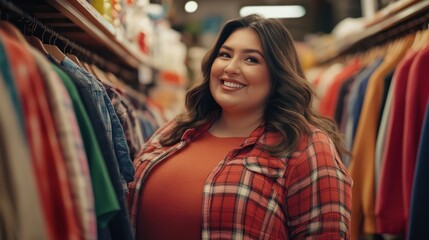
[{"x": 249, "y": 159}]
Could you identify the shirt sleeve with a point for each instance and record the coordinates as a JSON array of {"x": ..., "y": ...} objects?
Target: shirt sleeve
[{"x": 318, "y": 200}]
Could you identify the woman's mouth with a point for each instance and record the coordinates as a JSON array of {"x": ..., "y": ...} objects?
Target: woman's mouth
[{"x": 232, "y": 84}]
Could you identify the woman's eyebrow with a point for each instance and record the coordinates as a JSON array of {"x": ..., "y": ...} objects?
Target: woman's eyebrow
[{"x": 247, "y": 50}]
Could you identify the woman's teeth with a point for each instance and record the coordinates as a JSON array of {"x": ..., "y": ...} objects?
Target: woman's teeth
[{"x": 232, "y": 85}]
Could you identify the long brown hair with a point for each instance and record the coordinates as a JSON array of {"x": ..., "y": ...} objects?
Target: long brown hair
[{"x": 288, "y": 112}]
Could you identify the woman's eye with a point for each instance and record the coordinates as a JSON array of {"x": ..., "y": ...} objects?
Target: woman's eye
[
  {"x": 224, "y": 54},
  {"x": 252, "y": 60}
]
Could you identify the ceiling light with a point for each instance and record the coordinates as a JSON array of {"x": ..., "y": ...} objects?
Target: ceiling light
[
  {"x": 284, "y": 11},
  {"x": 191, "y": 6}
]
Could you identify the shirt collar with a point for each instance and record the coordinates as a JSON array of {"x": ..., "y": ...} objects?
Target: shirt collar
[
  {"x": 192, "y": 133},
  {"x": 253, "y": 138},
  {"x": 255, "y": 160}
]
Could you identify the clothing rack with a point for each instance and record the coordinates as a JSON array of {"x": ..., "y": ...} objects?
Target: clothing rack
[
  {"x": 14, "y": 14},
  {"x": 409, "y": 20}
]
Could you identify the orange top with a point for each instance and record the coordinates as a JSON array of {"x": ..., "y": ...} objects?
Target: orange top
[{"x": 172, "y": 197}]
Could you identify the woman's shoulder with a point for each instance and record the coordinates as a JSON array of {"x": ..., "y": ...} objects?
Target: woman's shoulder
[
  {"x": 305, "y": 140},
  {"x": 320, "y": 136},
  {"x": 315, "y": 142},
  {"x": 319, "y": 150},
  {"x": 315, "y": 135}
]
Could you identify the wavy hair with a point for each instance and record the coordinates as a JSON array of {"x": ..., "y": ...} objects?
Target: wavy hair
[{"x": 289, "y": 109}]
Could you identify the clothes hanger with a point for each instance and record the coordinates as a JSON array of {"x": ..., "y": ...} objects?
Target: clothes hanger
[
  {"x": 390, "y": 49},
  {"x": 88, "y": 68},
  {"x": 118, "y": 84},
  {"x": 72, "y": 57},
  {"x": 53, "y": 50},
  {"x": 75, "y": 59},
  {"x": 94, "y": 70},
  {"x": 84, "y": 62},
  {"x": 91, "y": 68},
  {"x": 395, "y": 48},
  {"x": 101, "y": 75},
  {"x": 424, "y": 39},
  {"x": 369, "y": 55},
  {"x": 36, "y": 42},
  {"x": 405, "y": 43},
  {"x": 400, "y": 47},
  {"x": 381, "y": 50},
  {"x": 416, "y": 41},
  {"x": 86, "y": 65}
]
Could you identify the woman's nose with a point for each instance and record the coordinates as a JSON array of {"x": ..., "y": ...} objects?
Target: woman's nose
[{"x": 232, "y": 67}]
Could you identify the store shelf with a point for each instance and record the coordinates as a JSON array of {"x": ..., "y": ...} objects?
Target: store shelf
[
  {"x": 399, "y": 23},
  {"x": 92, "y": 23}
]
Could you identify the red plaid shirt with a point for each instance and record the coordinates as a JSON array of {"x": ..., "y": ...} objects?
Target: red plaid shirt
[{"x": 252, "y": 195}]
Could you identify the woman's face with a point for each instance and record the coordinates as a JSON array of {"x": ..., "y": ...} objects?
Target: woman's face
[{"x": 239, "y": 77}]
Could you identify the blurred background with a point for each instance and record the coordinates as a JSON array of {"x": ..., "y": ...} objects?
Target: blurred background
[{"x": 306, "y": 16}]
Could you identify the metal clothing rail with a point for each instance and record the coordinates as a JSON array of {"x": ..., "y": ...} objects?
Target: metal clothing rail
[
  {"x": 32, "y": 23},
  {"x": 411, "y": 19}
]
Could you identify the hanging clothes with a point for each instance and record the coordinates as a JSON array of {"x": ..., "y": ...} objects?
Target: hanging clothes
[
  {"x": 389, "y": 195},
  {"x": 380, "y": 108},
  {"x": 71, "y": 145},
  {"x": 341, "y": 104},
  {"x": 47, "y": 159},
  {"x": 124, "y": 111},
  {"x": 120, "y": 227},
  {"x": 415, "y": 107},
  {"x": 71, "y": 141},
  {"x": 19, "y": 198},
  {"x": 363, "y": 152},
  {"x": 420, "y": 196},
  {"x": 105, "y": 201},
  {"x": 327, "y": 103},
  {"x": 382, "y": 130},
  {"x": 96, "y": 94},
  {"x": 354, "y": 105}
]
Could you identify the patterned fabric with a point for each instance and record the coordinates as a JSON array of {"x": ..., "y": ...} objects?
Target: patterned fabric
[
  {"x": 119, "y": 226},
  {"x": 117, "y": 136},
  {"x": 71, "y": 145},
  {"x": 124, "y": 115},
  {"x": 113, "y": 129},
  {"x": 21, "y": 216},
  {"x": 105, "y": 200},
  {"x": 137, "y": 134},
  {"x": 252, "y": 195},
  {"x": 47, "y": 158}
]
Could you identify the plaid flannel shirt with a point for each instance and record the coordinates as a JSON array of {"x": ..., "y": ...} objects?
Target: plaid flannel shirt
[{"x": 252, "y": 195}]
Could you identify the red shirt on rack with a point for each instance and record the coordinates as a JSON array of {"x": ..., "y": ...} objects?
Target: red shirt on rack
[{"x": 47, "y": 159}]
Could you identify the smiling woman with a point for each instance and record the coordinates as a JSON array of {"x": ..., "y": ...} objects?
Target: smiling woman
[
  {"x": 239, "y": 81},
  {"x": 249, "y": 159}
]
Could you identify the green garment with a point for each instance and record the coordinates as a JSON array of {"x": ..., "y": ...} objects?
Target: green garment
[{"x": 105, "y": 200}]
